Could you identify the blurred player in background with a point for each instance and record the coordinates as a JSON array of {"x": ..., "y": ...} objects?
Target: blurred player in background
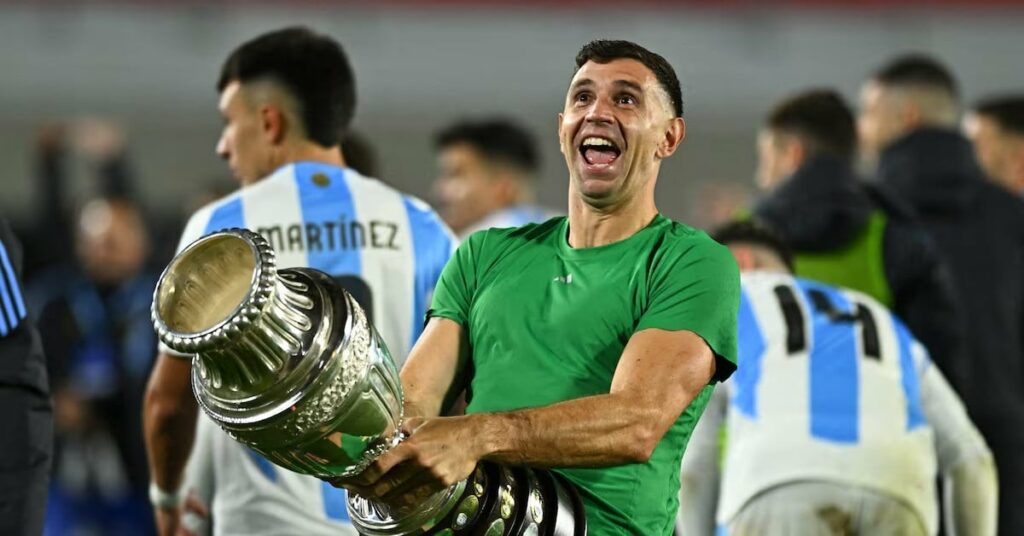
[
  {"x": 285, "y": 96},
  {"x": 846, "y": 232},
  {"x": 487, "y": 176},
  {"x": 93, "y": 318},
  {"x": 26, "y": 418},
  {"x": 996, "y": 127},
  {"x": 910, "y": 113},
  {"x": 836, "y": 419}
]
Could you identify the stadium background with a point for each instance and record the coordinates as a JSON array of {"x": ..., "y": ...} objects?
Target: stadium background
[{"x": 151, "y": 66}]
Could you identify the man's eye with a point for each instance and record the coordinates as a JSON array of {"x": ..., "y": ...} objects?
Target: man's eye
[
  {"x": 627, "y": 99},
  {"x": 583, "y": 97}
]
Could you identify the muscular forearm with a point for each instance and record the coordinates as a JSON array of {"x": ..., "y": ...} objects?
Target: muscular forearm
[
  {"x": 170, "y": 432},
  {"x": 169, "y": 421},
  {"x": 594, "y": 431}
]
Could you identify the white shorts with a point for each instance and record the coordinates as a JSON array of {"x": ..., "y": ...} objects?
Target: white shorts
[{"x": 812, "y": 508}]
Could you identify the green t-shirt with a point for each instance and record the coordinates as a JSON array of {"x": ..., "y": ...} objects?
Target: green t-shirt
[{"x": 548, "y": 323}]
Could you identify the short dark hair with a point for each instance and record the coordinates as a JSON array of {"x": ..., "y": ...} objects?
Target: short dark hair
[
  {"x": 1006, "y": 110},
  {"x": 496, "y": 139},
  {"x": 313, "y": 68},
  {"x": 753, "y": 232},
  {"x": 604, "y": 51},
  {"x": 919, "y": 70},
  {"x": 821, "y": 118}
]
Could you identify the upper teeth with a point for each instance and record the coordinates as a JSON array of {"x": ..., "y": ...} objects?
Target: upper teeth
[{"x": 597, "y": 141}]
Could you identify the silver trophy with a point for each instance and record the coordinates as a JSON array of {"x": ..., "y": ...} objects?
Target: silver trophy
[{"x": 286, "y": 362}]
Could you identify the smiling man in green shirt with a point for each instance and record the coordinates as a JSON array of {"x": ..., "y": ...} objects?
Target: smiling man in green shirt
[{"x": 588, "y": 344}]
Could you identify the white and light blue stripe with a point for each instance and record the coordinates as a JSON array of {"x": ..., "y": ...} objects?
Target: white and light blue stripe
[
  {"x": 833, "y": 375},
  {"x": 11, "y": 301}
]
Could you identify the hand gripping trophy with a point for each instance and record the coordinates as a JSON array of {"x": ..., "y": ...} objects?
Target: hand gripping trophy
[{"x": 286, "y": 362}]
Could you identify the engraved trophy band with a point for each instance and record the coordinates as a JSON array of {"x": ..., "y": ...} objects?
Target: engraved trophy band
[{"x": 287, "y": 363}]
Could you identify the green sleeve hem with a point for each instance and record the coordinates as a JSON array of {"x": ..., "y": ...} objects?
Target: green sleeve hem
[{"x": 452, "y": 315}]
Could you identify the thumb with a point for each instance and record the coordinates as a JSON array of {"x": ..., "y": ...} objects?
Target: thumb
[{"x": 411, "y": 424}]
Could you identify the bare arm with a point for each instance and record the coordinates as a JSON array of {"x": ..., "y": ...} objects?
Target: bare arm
[
  {"x": 965, "y": 462},
  {"x": 434, "y": 369},
  {"x": 169, "y": 420},
  {"x": 659, "y": 374}
]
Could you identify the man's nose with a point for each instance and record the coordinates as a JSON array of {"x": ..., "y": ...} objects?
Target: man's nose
[
  {"x": 600, "y": 112},
  {"x": 222, "y": 148}
]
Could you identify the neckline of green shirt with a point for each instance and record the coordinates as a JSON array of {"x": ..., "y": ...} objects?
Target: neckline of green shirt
[{"x": 615, "y": 248}]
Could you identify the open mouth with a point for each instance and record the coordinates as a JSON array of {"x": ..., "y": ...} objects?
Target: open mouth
[{"x": 598, "y": 151}]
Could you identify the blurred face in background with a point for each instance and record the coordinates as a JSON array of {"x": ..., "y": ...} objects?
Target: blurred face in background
[
  {"x": 883, "y": 119},
  {"x": 778, "y": 157},
  {"x": 1000, "y": 153},
  {"x": 469, "y": 187},
  {"x": 111, "y": 241},
  {"x": 247, "y": 140},
  {"x": 617, "y": 126}
]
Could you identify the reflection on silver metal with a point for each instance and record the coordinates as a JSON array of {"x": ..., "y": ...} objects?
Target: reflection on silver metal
[
  {"x": 536, "y": 507},
  {"x": 466, "y": 510},
  {"x": 497, "y": 528},
  {"x": 286, "y": 362}
]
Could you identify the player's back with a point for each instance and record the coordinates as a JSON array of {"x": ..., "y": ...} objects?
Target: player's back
[
  {"x": 384, "y": 247},
  {"x": 387, "y": 249},
  {"x": 827, "y": 389}
]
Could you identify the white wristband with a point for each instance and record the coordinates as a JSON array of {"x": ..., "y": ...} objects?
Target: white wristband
[{"x": 164, "y": 500}]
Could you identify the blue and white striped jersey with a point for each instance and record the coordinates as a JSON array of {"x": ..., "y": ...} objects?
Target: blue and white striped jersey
[
  {"x": 827, "y": 387},
  {"x": 830, "y": 386},
  {"x": 387, "y": 249},
  {"x": 12, "y": 303}
]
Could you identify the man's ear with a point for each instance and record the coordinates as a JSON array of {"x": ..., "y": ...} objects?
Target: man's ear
[
  {"x": 746, "y": 260},
  {"x": 795, "y": 154},
  {"x": 911, "y": 115},
  {"x": 273, "y": 123},
  {"x": 561, "y": 117},
  {"x": 1018, "y": 162},
  {"x": 674, "y": 134}
]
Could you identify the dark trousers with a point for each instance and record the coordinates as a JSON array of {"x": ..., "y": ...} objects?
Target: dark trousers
[{"x": 26, "y": 447}]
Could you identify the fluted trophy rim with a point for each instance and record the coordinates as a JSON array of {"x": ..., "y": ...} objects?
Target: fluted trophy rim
[{"x": 242, "y": 316}]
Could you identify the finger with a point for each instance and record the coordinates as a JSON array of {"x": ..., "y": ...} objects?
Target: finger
[
  {"x": 196, "y": 506},
  {"x": 396, "y": 478},
  {"x": 351, "y": 487},
  {"x": 415, "y": 490},
  {"x": 411, "y": 424},
  {"x": 383, "y": 465}
]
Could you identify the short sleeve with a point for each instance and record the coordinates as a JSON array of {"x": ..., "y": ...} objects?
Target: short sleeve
[
  {"x": 696, "y": 287},
  {"x": 453, "y": 294}
]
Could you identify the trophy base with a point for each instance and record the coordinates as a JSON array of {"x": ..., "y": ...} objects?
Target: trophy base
[{"x": 493, "y": 501}]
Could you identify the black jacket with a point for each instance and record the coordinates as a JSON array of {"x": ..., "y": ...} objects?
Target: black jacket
[
  {"x": 979, "y": 228},
  {"x": 22, "y": 365},
  {"x": 824, "y": 206}
]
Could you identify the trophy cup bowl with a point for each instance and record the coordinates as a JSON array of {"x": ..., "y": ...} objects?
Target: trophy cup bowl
[{"x": 286, "y": 362}]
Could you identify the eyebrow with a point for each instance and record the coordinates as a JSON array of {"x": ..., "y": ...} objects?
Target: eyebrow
[{"x": 584, "y": 82}]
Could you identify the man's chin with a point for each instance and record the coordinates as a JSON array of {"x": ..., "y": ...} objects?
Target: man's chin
[{"x": 599, "y": 192}]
